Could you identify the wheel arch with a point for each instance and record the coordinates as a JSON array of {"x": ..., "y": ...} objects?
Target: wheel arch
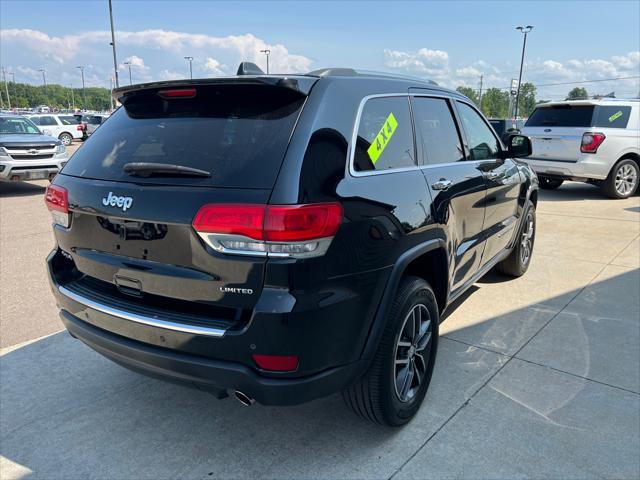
[{"x": 428, "y": 261}]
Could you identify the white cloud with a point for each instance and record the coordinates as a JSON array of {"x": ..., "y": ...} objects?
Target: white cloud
[
  {"x": 433, "y": 64},
  {"x": 214, "y": 67},
  {"x": 436, "y": 65},
  {"x": 168, "y": 47}
]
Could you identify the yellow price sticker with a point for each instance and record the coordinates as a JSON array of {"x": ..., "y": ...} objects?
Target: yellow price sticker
[
  {"x": 615, "y": 116},
  {"x": 382, "y": 139}
]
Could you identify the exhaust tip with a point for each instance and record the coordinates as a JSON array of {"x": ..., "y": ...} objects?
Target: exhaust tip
[{"x": 243, "y": 398}]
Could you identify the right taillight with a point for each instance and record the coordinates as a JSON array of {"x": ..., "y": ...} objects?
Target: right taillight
[
  {"x": 269, "y": 230},
  {"x": 591, "y": 142},
  {"x": 56, "y": 198}
]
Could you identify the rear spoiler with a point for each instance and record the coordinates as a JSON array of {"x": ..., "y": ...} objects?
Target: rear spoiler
[{"x": 298, "y": 83}]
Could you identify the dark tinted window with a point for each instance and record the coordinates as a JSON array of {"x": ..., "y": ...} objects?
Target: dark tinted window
[
  {"x": 612, "y": 117},
  {"x": 436, "y": 130},
  {"x": 385, "y": 135},
  {"x": 561, "y": 116},
  {"x": 498, "y": 126},
  {"x": 48, "y": 121},
  {"x": 35, "y": 120},
  {"x": 238, "y": 133},
  {"x": 93, "y": 120},
  {"x": 69, "y": 120},
  {"x": 483, "y": 144}
]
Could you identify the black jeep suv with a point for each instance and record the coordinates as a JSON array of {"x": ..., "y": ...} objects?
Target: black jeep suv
[{"x": 286, "y": 237}]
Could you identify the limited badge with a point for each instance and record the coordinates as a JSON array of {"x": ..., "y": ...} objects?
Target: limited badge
[{"x": 382, "y": 138}]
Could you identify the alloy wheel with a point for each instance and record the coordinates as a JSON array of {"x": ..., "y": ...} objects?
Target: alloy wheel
[
  {"x": 526, "y": 244},
  {"x": 626, "y": 180},
  {"x": 412, "y": 354}
]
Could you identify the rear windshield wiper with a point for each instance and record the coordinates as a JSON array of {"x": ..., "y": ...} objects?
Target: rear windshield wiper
[{"x": 147, "y": 169}]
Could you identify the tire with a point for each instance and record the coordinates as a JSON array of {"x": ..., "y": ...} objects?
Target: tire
[
  {"x": 379, "y": 395},
  {"x": 65, "y": 138},
  {"x": 547, "y": 183},
  {"x": 623, "y": 179},
  {"x": 518, "y": 261}
]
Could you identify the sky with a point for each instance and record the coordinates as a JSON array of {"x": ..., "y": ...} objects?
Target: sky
[{"x": 452, "y": 43}]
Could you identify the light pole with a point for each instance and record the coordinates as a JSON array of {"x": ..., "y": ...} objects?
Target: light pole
[
  {"x": 113, "y": 44},
  {"x": 190, "y": 60},
  {"x": 84, "y": 96},
  {"x": 44, "y": 81},
  {"x": 128, "y": 64},
  {"x": 524, "y": 30},
  {"x": 6, "y": 87},
  {"x": 267, "y": 52}
]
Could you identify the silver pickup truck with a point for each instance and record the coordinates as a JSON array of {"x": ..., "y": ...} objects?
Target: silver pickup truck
[{"x": 27, "y": 154}]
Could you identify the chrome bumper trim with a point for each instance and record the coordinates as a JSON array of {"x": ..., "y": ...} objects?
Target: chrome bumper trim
[{"x": 142, "y": 319}]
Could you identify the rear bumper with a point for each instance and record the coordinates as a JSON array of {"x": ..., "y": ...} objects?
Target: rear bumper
[
  {"x": 206, "y": 373},
  {"x": 585, "y": 167},
  {"x": 214, "y": 357}
]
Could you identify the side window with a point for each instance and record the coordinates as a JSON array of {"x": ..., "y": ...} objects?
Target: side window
[
  {"x": 385, "y": 135},
  {"x": 437, "y": 131},
  {"x": 47, "y": 121},
  {"x": 612, "y": 117},
  {"x": 35, "y": 120},
  {"x": 482, "y": 143}
]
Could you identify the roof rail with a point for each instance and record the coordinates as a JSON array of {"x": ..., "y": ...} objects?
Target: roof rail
[{"x": 333, "y": 72}]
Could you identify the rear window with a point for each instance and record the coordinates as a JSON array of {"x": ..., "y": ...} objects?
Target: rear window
[
  {"x": 612, "y": 117},
  {"x": 561, "y": 116},
  {"x": 237, "y": 133}
]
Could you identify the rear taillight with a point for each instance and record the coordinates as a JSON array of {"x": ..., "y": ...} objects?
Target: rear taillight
[
  {"x": 79, "y": 128},
  {"x": 591, "y": 142},
  {"x": 273, "y": 230},
  {"x": 57, "y": 200}
]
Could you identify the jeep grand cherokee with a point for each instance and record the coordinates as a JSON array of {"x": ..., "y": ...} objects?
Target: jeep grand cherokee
[{"x": 286, "y": 237}]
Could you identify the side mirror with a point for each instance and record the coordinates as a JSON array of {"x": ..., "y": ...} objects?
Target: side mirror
[{"x": 519, "y": 146}]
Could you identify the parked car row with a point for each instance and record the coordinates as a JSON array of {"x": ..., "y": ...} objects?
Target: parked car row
[{"x": 27, "y": 154}]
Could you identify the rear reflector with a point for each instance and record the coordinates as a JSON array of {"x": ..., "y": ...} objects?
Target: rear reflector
[
  {"x": 276, "y": 363},
  {"x": 591, "y": 142},
  {"x": 178, "y": 93}
]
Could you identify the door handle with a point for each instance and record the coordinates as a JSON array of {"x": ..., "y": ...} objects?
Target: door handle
[{"x": 442, "y": 184}]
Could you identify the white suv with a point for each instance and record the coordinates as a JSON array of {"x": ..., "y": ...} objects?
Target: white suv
[
  {"x": 597, "y": 141},
  {"x": 64, "y": 127}
]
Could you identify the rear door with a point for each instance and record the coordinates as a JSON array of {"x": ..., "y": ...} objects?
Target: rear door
[
  {"x": 457, "y": 186},
  {"x": 556, "y": 131},
  {"x": 133, "y": 233}
]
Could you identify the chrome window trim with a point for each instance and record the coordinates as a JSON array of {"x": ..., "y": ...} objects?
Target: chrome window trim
[
  {"x": 142, "y": 319},
  {"x": 354, "y": 135}
]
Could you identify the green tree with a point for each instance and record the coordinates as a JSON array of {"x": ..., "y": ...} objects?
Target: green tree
[
  {"x": 577, "y": 93},
  {"x": 469, "y": 92},
  {"x": 57, "y": 96},
  {"x": 495, "y": 103},
  {"x": 527, "y": 102}
]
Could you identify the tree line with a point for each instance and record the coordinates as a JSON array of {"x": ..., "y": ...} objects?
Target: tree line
[
  {"x": 23, "y": 95},
  {"x": 497, "y": 103}
]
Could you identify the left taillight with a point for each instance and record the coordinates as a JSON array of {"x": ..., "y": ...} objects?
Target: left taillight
[
  {"x": 56, "y": 198},
  {"x": 591, "y": 142},
  {"x": 269, "y": 230}
]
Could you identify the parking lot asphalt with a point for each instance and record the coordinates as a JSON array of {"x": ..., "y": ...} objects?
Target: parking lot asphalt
[{"x": 535, "y": 377}]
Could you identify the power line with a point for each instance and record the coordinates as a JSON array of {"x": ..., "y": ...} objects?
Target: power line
[{"x": 587, "y": 81}]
